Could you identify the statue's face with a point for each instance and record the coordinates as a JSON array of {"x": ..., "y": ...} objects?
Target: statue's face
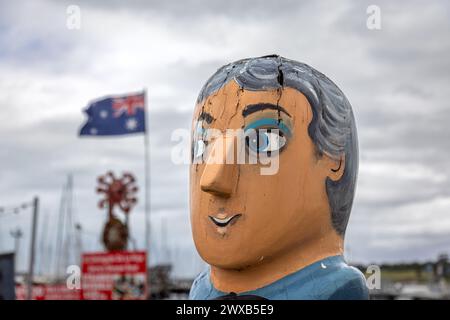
[{"x": 239, "y": 216}]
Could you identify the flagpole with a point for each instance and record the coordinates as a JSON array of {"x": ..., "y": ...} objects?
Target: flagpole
[{"x": 147, "y": 180}]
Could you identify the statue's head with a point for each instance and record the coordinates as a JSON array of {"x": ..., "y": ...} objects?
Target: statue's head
[{"x": 275, "y": 161}]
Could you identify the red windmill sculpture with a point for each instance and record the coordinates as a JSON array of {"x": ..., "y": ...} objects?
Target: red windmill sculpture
[{"x": 118, "y": 192}]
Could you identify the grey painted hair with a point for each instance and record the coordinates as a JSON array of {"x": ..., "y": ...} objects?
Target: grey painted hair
[{"x": 332, "y": 128}]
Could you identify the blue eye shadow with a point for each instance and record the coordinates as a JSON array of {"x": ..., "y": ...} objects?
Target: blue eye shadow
[{"x": 269, "y": 122}]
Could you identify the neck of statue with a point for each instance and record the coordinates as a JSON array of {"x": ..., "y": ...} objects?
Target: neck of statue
[{"x": 271, "y": 269}]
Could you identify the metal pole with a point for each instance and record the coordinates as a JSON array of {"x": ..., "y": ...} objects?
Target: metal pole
[
  {"x": 16, "y": 234},
  {"x": 60, "y": 231},
  {"x": 147, "y": 181},
  {"x": 16, "y": 244},
  {"x": 43, "y": 258},
  {"x": 147, "y": 169},
  {"x": 79, "y": 240},
  {"x": 68, "y": 229},
  {"x": 32, "y": 246}
]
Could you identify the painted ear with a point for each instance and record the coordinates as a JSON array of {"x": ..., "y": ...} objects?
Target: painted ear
[{"x": 335, "y": 167}]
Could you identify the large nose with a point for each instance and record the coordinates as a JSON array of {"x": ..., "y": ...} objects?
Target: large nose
[{"x": 219, "y": 177}]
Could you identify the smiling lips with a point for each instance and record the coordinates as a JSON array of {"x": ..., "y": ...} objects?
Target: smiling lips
[{"x": 223, "y": 221}]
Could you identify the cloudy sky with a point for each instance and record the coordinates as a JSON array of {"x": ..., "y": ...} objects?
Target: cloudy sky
[{"x": 397, "y": 79}]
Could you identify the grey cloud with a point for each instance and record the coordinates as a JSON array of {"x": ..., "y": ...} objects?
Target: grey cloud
[
  {"x": 192, "y": 9},
  {"x": 396, "y": 79}
]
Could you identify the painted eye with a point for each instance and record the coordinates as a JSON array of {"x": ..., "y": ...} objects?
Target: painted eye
[
  {"x": 199, "y": 148},
  {"x": 264, "y": 140},
  {"x": 198, "y": 144}
]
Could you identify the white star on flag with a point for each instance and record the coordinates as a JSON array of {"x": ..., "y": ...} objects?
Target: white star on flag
[
  {"x": 131, "y": 124},
  {"x": 103, "y": 114}
]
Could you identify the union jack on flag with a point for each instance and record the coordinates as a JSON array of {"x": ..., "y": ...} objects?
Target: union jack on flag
[
  {"x": 115, "y": 115},
  {"x": 128, "y": 105}
]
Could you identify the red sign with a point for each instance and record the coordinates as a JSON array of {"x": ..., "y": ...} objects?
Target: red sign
[
  {"x": 48, "y": 292},
  {"x": 120, "y": 275}
]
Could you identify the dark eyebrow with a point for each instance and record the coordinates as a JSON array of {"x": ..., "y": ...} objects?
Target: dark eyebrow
[
  {"x": 251, "y": 108},
  {"x": 205, "y": 116}
]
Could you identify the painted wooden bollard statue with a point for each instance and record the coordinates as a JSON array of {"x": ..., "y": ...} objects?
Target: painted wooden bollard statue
[
  {"x": 118, "y": 193},
  {"x": 272, "y": 179}
]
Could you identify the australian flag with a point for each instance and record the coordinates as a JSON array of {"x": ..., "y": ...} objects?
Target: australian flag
[{"x": 115, "y": 115}]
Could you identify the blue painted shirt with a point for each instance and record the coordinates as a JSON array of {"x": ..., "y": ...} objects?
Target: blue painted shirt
[{"x": 328, "y": 279}]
